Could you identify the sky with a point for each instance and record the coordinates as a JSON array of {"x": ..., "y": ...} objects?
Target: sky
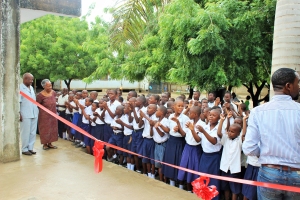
[{"x": 99, "y": 8}]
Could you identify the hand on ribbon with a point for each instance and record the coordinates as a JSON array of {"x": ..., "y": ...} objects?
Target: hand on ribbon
[
  {"x": 98, "y": 153},
  {"x": 202, "y": 190}
]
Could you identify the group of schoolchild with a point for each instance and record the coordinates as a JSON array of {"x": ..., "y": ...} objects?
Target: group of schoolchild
[{"x": 202, "y": 135}]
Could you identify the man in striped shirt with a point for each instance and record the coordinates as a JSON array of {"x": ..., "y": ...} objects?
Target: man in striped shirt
[{"x": 273, "y": 134}]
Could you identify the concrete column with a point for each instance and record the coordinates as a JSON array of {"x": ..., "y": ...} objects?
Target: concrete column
[{"x": 9, "y": 80}]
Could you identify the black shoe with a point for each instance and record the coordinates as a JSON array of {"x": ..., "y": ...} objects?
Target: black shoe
[
  {"x": 32, "y": 152},
  {"x": 78, "y": 145},
  {"x": 27, "y": 153}
]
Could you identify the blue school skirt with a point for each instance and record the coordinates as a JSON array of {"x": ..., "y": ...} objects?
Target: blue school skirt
[
  {"x": 190, "y": 159},
  {"x": 137, "y": 141},
  {"x": 235, "y": 188},
  {"x": 87, "y": 128},
  {"x": 97, "y": 132},
  {"x": 148, "y": 150},
  {"x": 78, "y": 135},
  {"x": 127, "y": 143},
  {"x": 210, "y": 164},
  {"x": 172, "y": 156},
  {"x": 108, "y": 132},
  {"x": 75, "y": 119},
  {"x": 250, "y": 191}
]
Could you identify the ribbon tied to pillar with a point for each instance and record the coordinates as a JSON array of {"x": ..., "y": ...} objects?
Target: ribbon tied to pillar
[
  {"x": 98, "y": 153},
  {"x": 202, "y": 190}
]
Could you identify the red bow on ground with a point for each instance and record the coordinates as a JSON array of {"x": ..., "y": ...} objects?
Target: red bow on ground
[
  {"x": 202, "y": 190},
  {"x": 98, "y": 153}
]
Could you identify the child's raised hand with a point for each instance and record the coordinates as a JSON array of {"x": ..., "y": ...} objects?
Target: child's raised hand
[
  {"x": 200, "y": 128},
  {"x": 245, "y": 117},
  {"x": 217, "y": 101},
  {"x": 156, "y": 125},
  {"x": 227, "y": 105},
  {"x": 81, "y": 106},
  {"x": 104, "y": 104},
  {"x": 95, "y": 114},
  {"x": 189, "y": 125},
  {"x": 75, "y": 101},
  {"x": 229, "y": 114},
  {"x": 190, "y": 104},
  {"x": 152, "y": 123},
  {"x": 176, "y": 129},
  {"x": 222, "y": 117}
]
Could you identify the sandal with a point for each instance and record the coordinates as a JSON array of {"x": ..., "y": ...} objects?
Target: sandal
[
  {"x": 45, "y": 147},
  {"x": 52, "y": 147}
]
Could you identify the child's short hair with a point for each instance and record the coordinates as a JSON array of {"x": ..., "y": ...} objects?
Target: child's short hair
[
  {"x": 163, "y": 109},
  {"x": 143, "y": 99},
  {"x": 156, "y": 97},
  {"x": 105, "y": 99},
  {"x": 237, "y": 126},
  {"x": 97, "y": 103},
  {"x": 120, "y": 99},
  {"x": 90, "y": 99},
  {"x": 196, "y": 109}
]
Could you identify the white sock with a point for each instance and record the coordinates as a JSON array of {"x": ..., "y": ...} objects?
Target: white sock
[
  {"x": 128, "y": 166},
  {"x": 82, "y": 143},
  {"x": 153, "y": 176},
  {"x": 114, "y": 156},
  {"x": 189, "y": 191},
  {"x": 132, "y": 167},
  {"x": 149, "y": 175},
  {"x": 64, "y": 134},
  {"x": 172, "y": 183},
  {"x": 181, "y": 187}
]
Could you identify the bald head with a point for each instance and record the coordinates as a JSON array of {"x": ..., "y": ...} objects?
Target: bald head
[{"x": 27, "y": 79}]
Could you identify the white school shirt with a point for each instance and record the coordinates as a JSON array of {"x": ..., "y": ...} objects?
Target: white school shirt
[
  {"x": 183, "y": 119},
  {"x": 74, "y": 104},
  {"x": 112, "y": 106},
  {"x": 206, "y": 145},
  {"x": 156, "y": 137},
  {"x": 134, "y": 123},
  {"x": 67, "y": 110},
  {"x": 231, "y": 156},
  {"x": 147, "y": 127},
  {"x": 61, "y": 101},
  {"x": 88, "y": 111},
  {"x": 98, "y": 120},
  {"x": 253, "y": 160},
  {"x": 81, "y": 102},
  {"x": 115, "y": 124},
  {"x": 92, "y": 123},
  {"x": 125, "y": 119},
  {"x": 189, "y": 135}
]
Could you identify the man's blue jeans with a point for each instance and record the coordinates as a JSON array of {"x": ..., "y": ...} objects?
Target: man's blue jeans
[{"x": 277, "y": 176}]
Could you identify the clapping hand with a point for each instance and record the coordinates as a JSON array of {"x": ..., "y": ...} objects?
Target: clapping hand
[
  {"x": 176, "y": 129},
  {"x": 189, "y": 125},
  {"x": 175, "y": 119},
  {"x": 142, "y": 114},
  {"x": 200, "y": 128},
  {"x": 222, "y": 117},
  {"x": 119, "y": 121}
]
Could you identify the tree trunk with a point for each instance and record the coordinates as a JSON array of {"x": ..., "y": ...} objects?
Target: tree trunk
[
  {"x": 191, "y": 92},
  {"x": 286, "y": 41},
  {"x": 255, "y": 96},
  {"x": 68, "y": 83},
  {"x": 229, "y": 88}
]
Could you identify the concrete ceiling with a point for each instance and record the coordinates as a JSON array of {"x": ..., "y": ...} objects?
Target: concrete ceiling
[{"x": 28, "y": 14}]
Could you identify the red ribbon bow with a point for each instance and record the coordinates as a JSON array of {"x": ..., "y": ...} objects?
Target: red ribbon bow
[
  {"x": 98, "y": 153},
  {"x": 202, "y": 190}
]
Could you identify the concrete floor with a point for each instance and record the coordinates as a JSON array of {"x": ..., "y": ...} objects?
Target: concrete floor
[{"x": 68, "y": 173}]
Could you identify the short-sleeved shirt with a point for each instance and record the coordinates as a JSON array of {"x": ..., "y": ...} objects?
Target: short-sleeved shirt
[
  {"x": 253, "y": 160},
  {"x": 98, "y": 120},
  {"x": 134, "y": 123},
  {"x": 206, "y": 145},
  {"x": 183, "y": 119},
  {"x": 112, "y": 106},
  {"x": 231, "y": 156},
  {"x": 156, "y": 137},
  {"x": 88, "y": 111},
  {"x": 61, "y": 101},
  {"x": 125, "y": 119},
  {"x": 189, "y": 138},
  {"x": 115, "y": 124},
  {"x": 74, "y": 105},
  {"x": 81, "y": 102},
  {"x": 147, "y": 127}
]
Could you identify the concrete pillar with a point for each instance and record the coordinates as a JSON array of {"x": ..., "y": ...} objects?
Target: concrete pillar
[{"x": 9, "y": 80}]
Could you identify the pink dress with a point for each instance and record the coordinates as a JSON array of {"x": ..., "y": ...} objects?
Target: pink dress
[{"x": 47, "y": 124}]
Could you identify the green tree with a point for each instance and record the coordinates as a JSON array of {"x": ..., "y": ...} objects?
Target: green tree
[{"x": 53, "y": 47}]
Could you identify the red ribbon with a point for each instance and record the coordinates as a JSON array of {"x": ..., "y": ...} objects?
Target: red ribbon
[
  {"x": 202, "y": 190},
  {"x": 236, "y": 180},
  {"x": 98, "y": 153}
]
